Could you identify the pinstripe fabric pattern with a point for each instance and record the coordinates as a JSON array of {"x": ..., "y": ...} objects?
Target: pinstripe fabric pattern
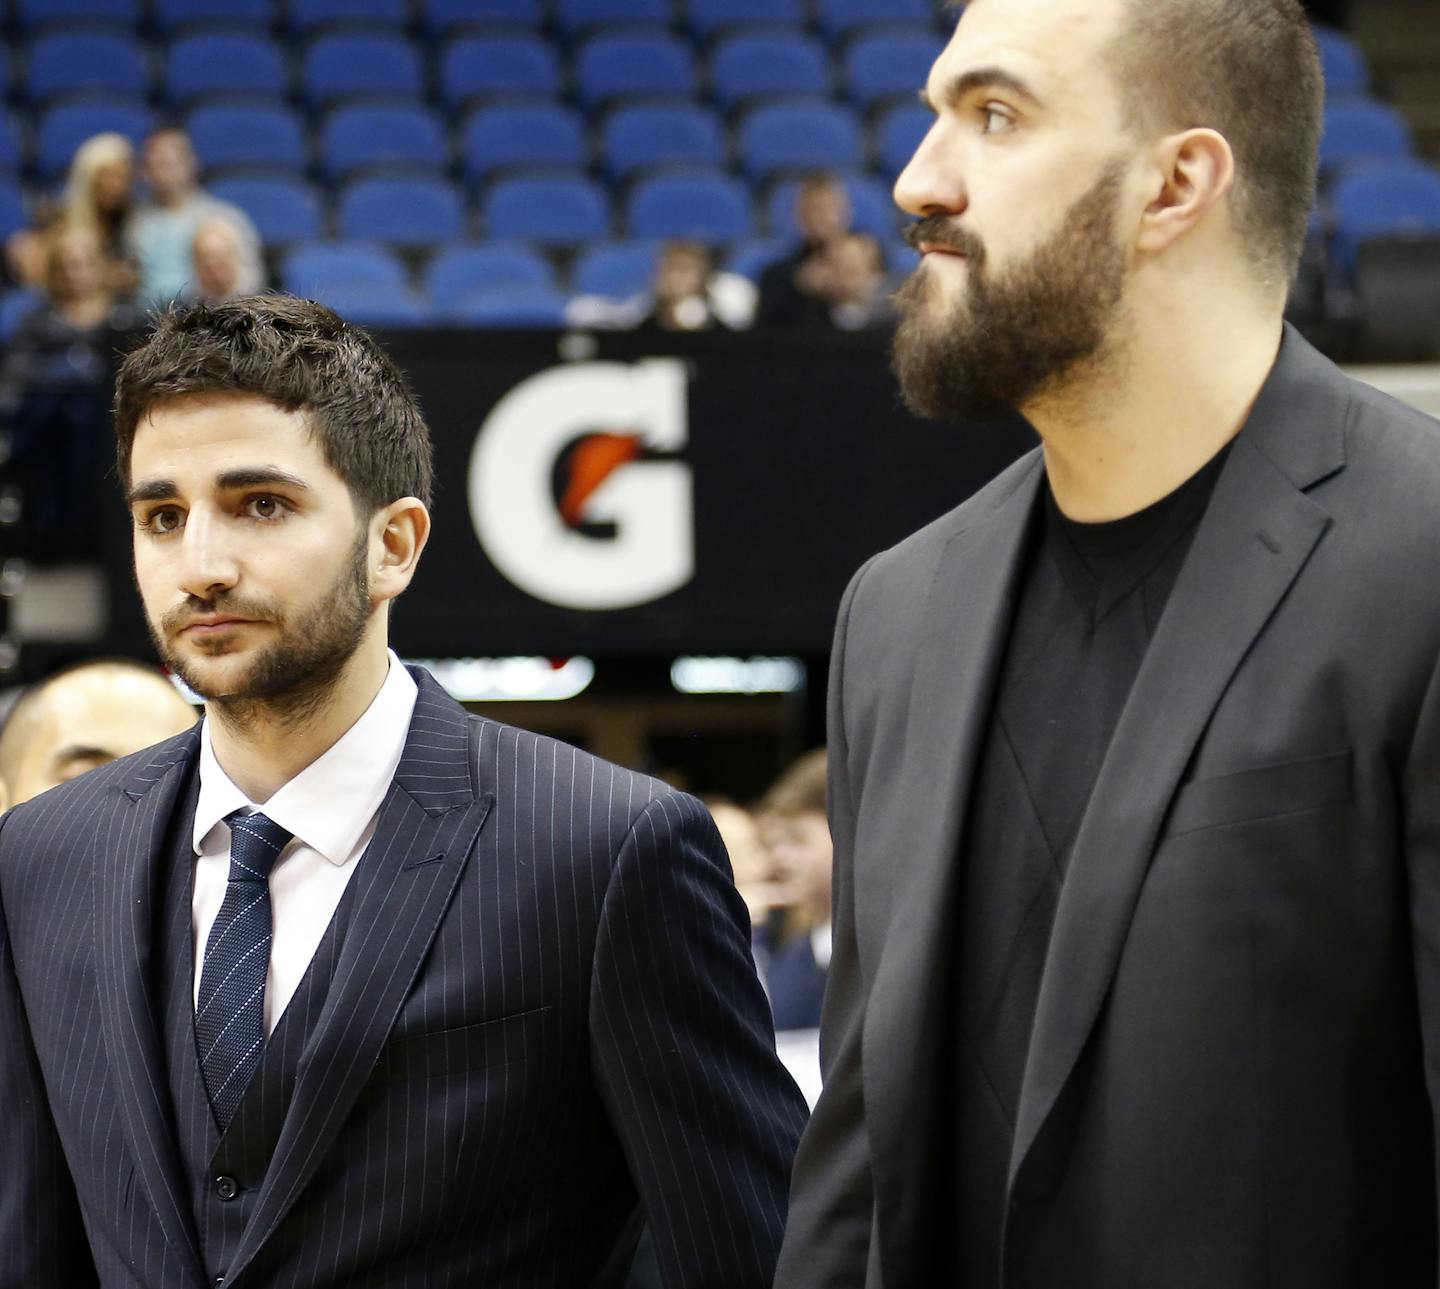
[{"x": 542, "y": 1018}]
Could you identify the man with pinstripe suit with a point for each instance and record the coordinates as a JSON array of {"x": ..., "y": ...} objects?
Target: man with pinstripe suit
[{"x": 345, "y": 987}]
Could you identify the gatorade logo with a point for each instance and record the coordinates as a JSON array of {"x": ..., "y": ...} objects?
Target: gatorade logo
[{"x": 574, "y": 490}]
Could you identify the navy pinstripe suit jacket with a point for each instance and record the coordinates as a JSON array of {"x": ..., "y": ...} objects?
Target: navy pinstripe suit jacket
[{"x": 543, "y": 1019}]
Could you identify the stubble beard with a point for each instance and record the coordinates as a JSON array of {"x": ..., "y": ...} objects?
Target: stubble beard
[
  {"x": 291, "y": 678},
  {"x": 1012, "y": 340}
]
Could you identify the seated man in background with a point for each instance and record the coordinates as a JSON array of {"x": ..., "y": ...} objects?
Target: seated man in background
[
  {"x": 797, "y": 290},
  {"x": 218, "y": 256},
  {"x": 857, "y": 288},
  {"x": 798, "y": 836},
  {"x": 160, "y": 234},
  {"x": 84, "y": 717}
]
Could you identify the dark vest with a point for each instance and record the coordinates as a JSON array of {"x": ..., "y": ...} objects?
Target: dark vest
[{"x": 226, "y": 1173}]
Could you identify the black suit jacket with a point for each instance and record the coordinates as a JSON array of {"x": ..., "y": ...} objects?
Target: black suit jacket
[
  {"x": 543, "y": 1007},
  {"x": 1235, "y": 1049}
]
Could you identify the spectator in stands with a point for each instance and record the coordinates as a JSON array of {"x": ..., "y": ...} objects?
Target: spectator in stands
[
  {"x": 219, "y": 261},
  {"x": 84, "y": 717},
  {"x": 27, "y": 249},
  {"x": 751, "y": 864},
  {"x": 689, "y": 295},
  {"x": 98, "y": 200},
  {"x": 161, "y": 233},
  {"x": 857, "y": 288},
  {"x": 799, "y": 838},
  {"x": 798, "y": 290},
  {"x": 55, "y": 394}
]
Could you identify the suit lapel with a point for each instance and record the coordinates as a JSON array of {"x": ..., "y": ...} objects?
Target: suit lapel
[
  {"x": 407, "y": 876},
  {"x": 967, "y": 620},
  {"x": 127, "y": 892},
  {"x": 1256, "y": 536}
]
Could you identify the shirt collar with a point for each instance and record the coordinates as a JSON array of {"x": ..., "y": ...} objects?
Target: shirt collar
[{"x": 329, "y": 804}]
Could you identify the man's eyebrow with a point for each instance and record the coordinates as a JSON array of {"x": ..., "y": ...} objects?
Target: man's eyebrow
[
  {"x": 983, "y": 78},
  {"x": 251, "y": 477}
]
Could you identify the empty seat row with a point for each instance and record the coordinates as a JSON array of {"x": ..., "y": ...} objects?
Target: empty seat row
[
  {"x": 770, "y": 138},
  {"x": 835, "y": 18},
  {"x": 608, "y": 66}
]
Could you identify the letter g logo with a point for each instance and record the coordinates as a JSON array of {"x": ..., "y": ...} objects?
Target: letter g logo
[{"x": 563, "y": 499}]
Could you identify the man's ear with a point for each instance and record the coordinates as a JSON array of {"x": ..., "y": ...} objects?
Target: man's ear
[
  {"x": 1194, "y": 171},
  {"x": 398, "y": 533}
]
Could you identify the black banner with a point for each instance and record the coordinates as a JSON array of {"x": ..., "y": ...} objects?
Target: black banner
[{"x": 621, "y": 494}]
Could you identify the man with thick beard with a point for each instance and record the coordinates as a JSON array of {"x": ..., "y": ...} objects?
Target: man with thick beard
[
  {"x": 345, "y": 987},
  {"x": 1134, "y": 757}
]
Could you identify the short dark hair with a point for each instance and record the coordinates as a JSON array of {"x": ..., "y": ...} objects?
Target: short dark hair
[
  {"x": 300, "y": 356},
  {"x": 1249, "y": 69}
]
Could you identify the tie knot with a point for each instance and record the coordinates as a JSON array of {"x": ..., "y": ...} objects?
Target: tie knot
[{"x": 255, "y": 845}]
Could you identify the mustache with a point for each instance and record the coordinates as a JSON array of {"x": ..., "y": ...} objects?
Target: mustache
[
  {"x": 182, "y": 615},
  {"x": 941, "y": 230}
]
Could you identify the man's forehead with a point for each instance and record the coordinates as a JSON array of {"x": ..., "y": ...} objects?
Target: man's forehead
[{"x": 1050, "y": 43}]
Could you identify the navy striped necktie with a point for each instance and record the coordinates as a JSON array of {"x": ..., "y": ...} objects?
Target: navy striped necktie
[{"x": 230, "y": 1011}]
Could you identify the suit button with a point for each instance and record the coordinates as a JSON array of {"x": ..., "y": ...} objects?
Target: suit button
[{"x": 227, "y": 1187}]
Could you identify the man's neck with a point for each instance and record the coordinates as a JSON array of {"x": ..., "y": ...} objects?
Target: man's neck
[
  {"x": 265, "y": 750},
  {"x": 1155, "y": 413},
  {"x": 174, "y": 200}
]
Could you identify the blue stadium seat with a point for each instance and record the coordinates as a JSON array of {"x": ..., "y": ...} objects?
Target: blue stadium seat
[
  {"x": 633, "y": 64},
  {"x": 799, "y": 136},
  {"x": 224, "y": 62},
  {"x": 306, "y": 15},
  {"x": 642, "y": 137},
  {"x": 405, "y": 211},
  {"x": 707, "y": 17},
  {"x": 756, "y": 64},
  {"x": 1383, "y": 200},
  {"x": 35, "y": 13},
  {"x": 887, "y": 65},
  {"x": 898, "y": 132},
  {"x": 839, "y": 19},
  {"x": 616, "y": 269},
  {"x": 12, "y": 208},
  {"x": 520, "y": 307},
  {"x": 1360, "y": 130},
  {"x": 752, "y": 257},
  {"x": 704, "y": 208},
  {"x": 10, "y": 151},
  {"x": 445, "y": 17},
  {"x": 350, "y": 63},
  {"x": 173, "y": 15},
  {"x": 381, "y": 135},
  {"x": 328, "y": 266},
  {"x": 1346, "y": 70},
  {"x": 14, "y": 305},
  {"x": 244, "y": 134},
  {"x": 474, "y": 67},
  {"x": 575, "y": 16},
  {"x": 873, "y": 209},
  {"x": 66, "y": 126},
  {"x": 522, "y": 134},
  {"x": 458, "y": 270},
  {"x": 560, "y": 210},
  {"x": 109, "y": 61},
  {"x": 283, "y": 208},
  {"x": 378, "y": 306}
]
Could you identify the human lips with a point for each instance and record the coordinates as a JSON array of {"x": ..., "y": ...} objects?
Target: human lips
[{"x": 213, "y": 624}]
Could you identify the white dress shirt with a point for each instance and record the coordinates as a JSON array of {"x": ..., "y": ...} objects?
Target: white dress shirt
[{"x": 331, "y": 808}]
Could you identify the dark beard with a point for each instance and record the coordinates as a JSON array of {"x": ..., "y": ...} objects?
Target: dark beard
[
  {"x": 290, "y": 679},
  {"x": 1015, "y": 337}
]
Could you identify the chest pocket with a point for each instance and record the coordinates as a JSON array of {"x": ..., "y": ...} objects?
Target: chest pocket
[
  {"x": 448, "y": 1052},
  {"x": 1267, "y": 792}
]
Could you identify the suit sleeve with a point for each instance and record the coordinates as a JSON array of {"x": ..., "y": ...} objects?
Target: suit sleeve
[
  {"x": 42, "y": 1239},
  {"x": 827, "y": 1242},
  {"x": 684, "y": 1054}
]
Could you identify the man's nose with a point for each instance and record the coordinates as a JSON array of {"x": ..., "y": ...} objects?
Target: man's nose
[
  {"x": 207, "y": 563},
  {"x": 933, "y": 181}
]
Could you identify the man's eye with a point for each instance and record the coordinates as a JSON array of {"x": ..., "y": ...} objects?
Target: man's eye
[
  {"x": 165, "y": 520},
  {"x": 996, "y": 121},
  {"x": 266, "y": 507}
]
